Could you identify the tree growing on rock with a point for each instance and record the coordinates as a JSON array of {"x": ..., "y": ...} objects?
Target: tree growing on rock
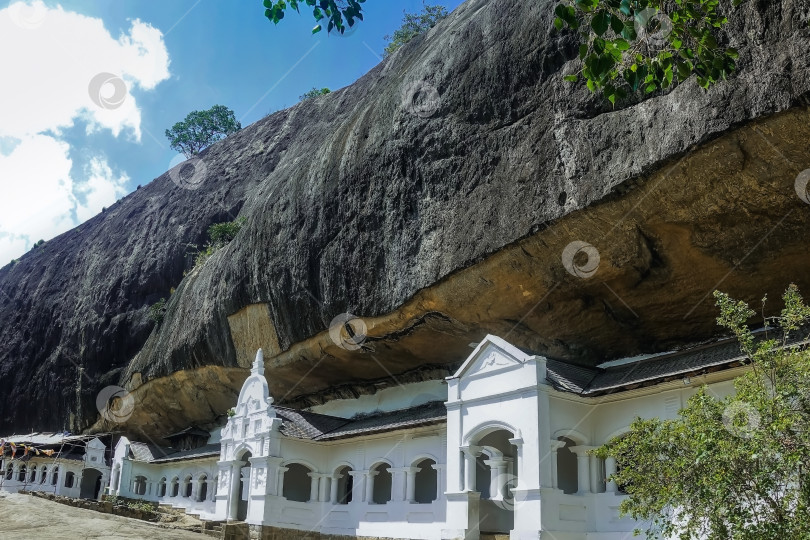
[
  {"x": 315, "y": 92},
  {"x": 414, "y": 24},
  {"x": 201, "y": 129},
  {"x": 732, "y": 468}
]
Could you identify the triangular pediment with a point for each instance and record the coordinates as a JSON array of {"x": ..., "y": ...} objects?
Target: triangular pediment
[{"x": 493, "y": 354}]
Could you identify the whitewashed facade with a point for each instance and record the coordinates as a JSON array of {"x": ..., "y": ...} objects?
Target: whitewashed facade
[
  {"x": 80, "y": 472},
  {"x": 505, "y": 449}
]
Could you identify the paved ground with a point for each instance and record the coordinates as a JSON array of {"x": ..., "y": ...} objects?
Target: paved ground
[{"x": 27, "y": 517}]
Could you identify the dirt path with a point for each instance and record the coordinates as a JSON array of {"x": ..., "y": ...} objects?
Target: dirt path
[{"x": 23, "y": 516}]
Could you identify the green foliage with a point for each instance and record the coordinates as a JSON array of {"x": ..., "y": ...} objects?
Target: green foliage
[
  {"x": 219, "y": 234},
  {"x": 157, "y": 311},
  {"x": 315, "y": 92},
  {"x": 200, "y": 129},
  {"x": 231, "y": 412},
  {"x": 640, "y": 46},
  {"x": 736, "y": 467},
  {"x": 333, "y": 11},
  {"x": 414, "y": 24}
]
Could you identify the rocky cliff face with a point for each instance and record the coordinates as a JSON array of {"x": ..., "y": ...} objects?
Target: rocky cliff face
[{"x": 438, "y": 199}]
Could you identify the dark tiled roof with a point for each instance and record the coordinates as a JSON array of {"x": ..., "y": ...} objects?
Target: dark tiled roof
[
  {"x": 307, "y": 425},
  {"x": 203, "y": 451},
  {"x": 429, "y": 413},
  {"x": 320, "y": 427},
  {"x": 189, "y": 431},
  {"x": 652, "y": 370},
  {"x": 148, "y": 452}
]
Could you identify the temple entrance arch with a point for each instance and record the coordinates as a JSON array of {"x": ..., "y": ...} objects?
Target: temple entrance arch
[
  {"x": 90, "y": 484},
  {"x": 240, "y": 487},
  {"x": 495, "y": 478}
]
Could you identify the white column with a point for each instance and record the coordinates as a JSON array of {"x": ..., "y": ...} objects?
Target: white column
[
  {"x": 358, "y": 486},
  {"x": 333, "y": 487},
  {"x": 555, "y": 445},
  {"x": 583, "y": 468},
  {"x": 610, "y": 469},
  {"x": 280, "y": 488},
  {"x": 399, "y": 484},
  {"x": 235, "y": 494},
  {"x": 596, "y": 481},
  {"x": 324, "y": 492},
  {"x": 370, "y": 486},
  {"x": 470, "y": 455},
  {"x": 497, "y": 478},
  {"x": 313, "y": 486},
  {"x": 440, "y": 481},
  {"x": 410, "y": 483}
]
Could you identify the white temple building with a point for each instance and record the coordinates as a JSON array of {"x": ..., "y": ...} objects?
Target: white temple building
[{"x": 501, "y": 446}]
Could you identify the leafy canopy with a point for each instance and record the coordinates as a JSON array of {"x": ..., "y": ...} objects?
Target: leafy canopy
[
  {"x": 640, "y": 46},
  {"x": 333, "y": 11},
  {"x": 414, "y": 24},
  {"x": 315, "y": 92},
  {"x": 201, "y": 129},
  {"x": 736, "y": 467}
]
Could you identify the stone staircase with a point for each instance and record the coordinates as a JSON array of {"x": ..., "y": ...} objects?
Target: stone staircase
[{"x": 212, "y": 528}]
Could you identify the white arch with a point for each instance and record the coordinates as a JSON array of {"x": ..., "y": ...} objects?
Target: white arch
[
  {"x": 381, "y": 461},
  {"x": 243, "y": 447},
  {"x": 300, "y": 461},
  {"x": 574, "y": 435},
  {"x": 422, "y": 457},
  {"x": 342, "y": 464},
  {"x": 618, "y": 433},
  {"x": 485, "y": 428}
]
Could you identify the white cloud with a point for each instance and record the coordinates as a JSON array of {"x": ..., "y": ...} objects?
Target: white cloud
[{"x": 51, "y": 69}]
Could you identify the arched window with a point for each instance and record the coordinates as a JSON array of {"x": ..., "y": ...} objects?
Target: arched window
[
  {"x": 344, "y": 485},
  {"x": 70, "y": 478},
  {"x": 21, "y": 473},
  {"x": 202, "y": 488},
  {"x": 296, "y": 483},
  {"x": 55, "y": 476},
  {"x": 567, "y": 473},
  {"x": 187, "y": 486},
  {"x": 425, "y": 482},
  {"x": 140, "y": 485},
  {"x": 9, "y": 472},
  {"x": 43, "y": 474},
  {"x": 32, "y": 476},
  {"x": 162, "y": 487},
  {"x": 175, "y": 487},
  {"x": 381, "y": 493}
]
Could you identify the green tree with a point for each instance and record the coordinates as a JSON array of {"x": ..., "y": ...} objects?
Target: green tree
[
  {"x": 640, "y": 46},
  {"x": 736, "y": 467},
  {"x": 201, "y": 129},
  {"x": 414, "y": 24},
  {"x": 315, "y": 92},
  {"x": 335, "y": 12}
]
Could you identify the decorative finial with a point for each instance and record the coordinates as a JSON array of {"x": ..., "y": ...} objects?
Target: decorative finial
[{"x": 258, "y": 363}]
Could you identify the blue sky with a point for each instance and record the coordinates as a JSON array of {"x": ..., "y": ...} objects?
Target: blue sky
[{"x": 175, "y": 56}]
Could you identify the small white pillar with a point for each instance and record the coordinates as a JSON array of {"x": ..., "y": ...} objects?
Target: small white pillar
[
  {"x": 610, "y": 470},
  {"x": 470, "y": 455},
  {"x": 358, "y": 486},
  {"x": 323, "y": 492},
  {"x": 497, "y": 478},
  {"x": 313, "y": 486},
  {"x": 439, "y": 481},
  {"x": 555, "y": 445},
  {"x": 333, "y": 487},
  {"x": 583, "y": 468},
  {"x": 410, "y": 483},
  {"x": 370, "y": 486}
]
